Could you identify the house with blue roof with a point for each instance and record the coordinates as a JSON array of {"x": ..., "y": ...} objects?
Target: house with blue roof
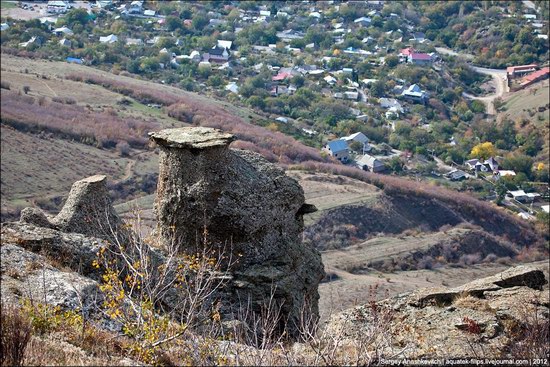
[
  {"x": 338, "y": 149},
  {"x": 415, "y": 94},
  {"x": 73, "y": 60}
]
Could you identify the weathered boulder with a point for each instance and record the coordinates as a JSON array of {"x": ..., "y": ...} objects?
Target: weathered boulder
[
  {"x": 35, "y": 216},
  {"x": 88, "y": 210},
  {"x": 29, "y": 275},
  {"x": 210, "y": 194}
]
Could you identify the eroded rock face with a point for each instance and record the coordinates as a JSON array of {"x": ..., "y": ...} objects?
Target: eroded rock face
[
  {"x": 88, "y": 210},
  {"x": 70, "y": 250},
  {"x": 239, "y": 201}
]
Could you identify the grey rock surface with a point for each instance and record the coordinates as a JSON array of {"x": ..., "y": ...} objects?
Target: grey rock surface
[
  {"x": 88, "y": 210},
  {"x": 35, "y": 216},
  {"x": 71, "y": 250},
  {"x": 29, "y": 275},
  {"x": 483, "y": 318},
  {"x": 249, "y": 208}
]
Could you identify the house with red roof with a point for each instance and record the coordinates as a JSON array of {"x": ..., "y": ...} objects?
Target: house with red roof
[
  {"x": 405, "y": 53},
  {"x": 534, "y": 77},
  {"x": 419, "y": 59},
  {"x": 513, "y": 72},
  {"x": 281, "y": 76}
]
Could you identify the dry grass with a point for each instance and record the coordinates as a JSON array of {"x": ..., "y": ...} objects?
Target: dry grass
[
  {"x": 15, "y": 336},
  {"x": 471, "y": 302},
  {"x": 48, "y": 351},
  {"x": 37, "y": 170}
]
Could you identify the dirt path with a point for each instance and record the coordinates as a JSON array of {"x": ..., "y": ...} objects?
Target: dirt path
[
  {"x": 129, "y": 169},
  {"x": 448, "y": 51},
  {"x": 51, "y": 90},
  {"x": 498, "y": 75},
  {"x": 499, "y": 80}
]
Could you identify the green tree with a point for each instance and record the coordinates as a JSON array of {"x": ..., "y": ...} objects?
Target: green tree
[
  {"x": 519, "y": 163},
  {"x": 77, "y": 15},
  {"x": 477, "y": 107},
  {"x": 149, "y": 64},
  {"x": 395, "y": 164},
  {"x": 215, "y": 80},
  {"x": 298, "y": 81},
  {"x": 173, "y": 23},
  {"x": 392, "y": 61},
  {"x": 378, "y": 88},
  {"x": 199, "y": 21},
  {"x": 257, "y": 102}
]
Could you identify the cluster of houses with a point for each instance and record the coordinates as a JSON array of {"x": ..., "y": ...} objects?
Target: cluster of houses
[
  {"x": 340, "y": 149},
  {"x": 58, "y": 7}
]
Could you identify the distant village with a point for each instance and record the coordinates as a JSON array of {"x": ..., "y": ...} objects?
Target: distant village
[{"x": 337, "y": 64}]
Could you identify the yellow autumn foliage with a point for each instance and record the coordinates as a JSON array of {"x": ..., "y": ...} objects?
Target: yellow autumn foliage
[{"x": 483, "y": 150}]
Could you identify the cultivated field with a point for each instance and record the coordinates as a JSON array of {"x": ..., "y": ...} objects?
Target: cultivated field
[{"x": 329, "y": 191}]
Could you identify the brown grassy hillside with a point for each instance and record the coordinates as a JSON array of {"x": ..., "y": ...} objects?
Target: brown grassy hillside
[{"x": 110, "y": 116}]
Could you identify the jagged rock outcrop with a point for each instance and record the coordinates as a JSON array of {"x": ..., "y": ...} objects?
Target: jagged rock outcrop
[
  {"x": 69, "y": 250},
  {"x": 241, "y": 202},
  {"x": 482, "y": 319},
  {"x": 88, "y": 210},
  {"x": 26, "y": 274}
]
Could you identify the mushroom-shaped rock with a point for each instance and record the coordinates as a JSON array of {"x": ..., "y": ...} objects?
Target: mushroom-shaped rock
[
  {"x": 247, "y": 206},
  {"x": 88, "y": 210}
]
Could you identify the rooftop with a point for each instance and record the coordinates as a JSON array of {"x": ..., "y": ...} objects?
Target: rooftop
[
  {"x": 535, "y": 75},
  {"x": 420, "y": 56},
  {"x": 337, "y": 145}
]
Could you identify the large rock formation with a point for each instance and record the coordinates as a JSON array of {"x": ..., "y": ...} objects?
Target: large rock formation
[{"x": 210, "y": 194}]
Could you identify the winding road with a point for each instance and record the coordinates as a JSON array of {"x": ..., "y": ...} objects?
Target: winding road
[
  {"x": 499, "y": 80},
  {"x": 498, "y": 75}
]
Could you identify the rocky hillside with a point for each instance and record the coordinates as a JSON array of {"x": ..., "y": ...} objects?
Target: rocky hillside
[{"x": 503, "y": 316}]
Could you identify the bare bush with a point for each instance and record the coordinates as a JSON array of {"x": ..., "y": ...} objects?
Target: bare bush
[
  {"x": 469, "y": 259},
  {"x": 123, "y": 148},
  {"x": 532, "y": 335},
  {"x": 160, "y": 296},
  {"x": 87, "y": 126},
  {"x": 15, "y": 336},
  {"x": 274, "y": 146},
  {"x": 64, "y": 100},
  {"x": 427, "y": 262}
]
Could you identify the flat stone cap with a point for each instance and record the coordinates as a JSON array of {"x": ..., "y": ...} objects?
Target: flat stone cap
[
  {"x": 192, "y": 137},
  {"x": 93, "y": 179}
]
